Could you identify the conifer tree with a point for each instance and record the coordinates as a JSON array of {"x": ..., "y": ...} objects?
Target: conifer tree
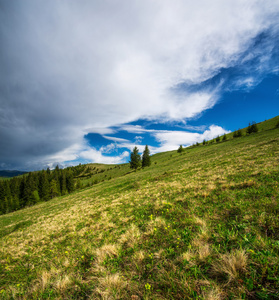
[
  {"x": 224, "y": 137},
  {"x": 63, "y": 183},
  {"x": 53, "y": 189},
  {"x": 146, "y": 162},
  {"x": 180, "y": 149},
  {"x": 135, "y": 159},
  {"x": 254, "y": 127},
  {"x": 249, "y": 130},
  {"x": 78, "y": 184},
  {"x": 70, "y": 181},
  {"x": 44, "y": 186},
  {"x": 239, "y": 133}
]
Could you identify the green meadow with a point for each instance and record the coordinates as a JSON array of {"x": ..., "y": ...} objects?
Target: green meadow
[{"x": 201, "y": 224}]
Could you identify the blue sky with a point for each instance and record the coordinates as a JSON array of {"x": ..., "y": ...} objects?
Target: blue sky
[{"x": 86, "y": 81}]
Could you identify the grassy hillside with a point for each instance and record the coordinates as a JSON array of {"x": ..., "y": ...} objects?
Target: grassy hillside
[{"x": 203, "y": 224}]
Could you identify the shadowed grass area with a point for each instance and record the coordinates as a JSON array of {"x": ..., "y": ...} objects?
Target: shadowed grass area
[{"x": 203, "y": 224}]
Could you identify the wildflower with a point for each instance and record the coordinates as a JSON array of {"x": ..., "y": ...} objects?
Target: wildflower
[
  {"x": 18, "y": 285},
  {"x": 82, "y": 257},
  {"x": 147, "y": 286},
  {"x": 155, "y": 229},
  {"x": 66, "y": 252}
]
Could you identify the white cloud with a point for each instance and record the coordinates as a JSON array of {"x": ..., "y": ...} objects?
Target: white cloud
[
  {"x": 170, "y": 140},
  {"x": 94, "y": 156},
  {"x": 95, "y": 64},
  {"x": 115, "y": 139}
]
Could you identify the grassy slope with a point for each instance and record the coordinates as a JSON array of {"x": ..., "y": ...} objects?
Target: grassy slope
[{"x": 199, "y": 225}]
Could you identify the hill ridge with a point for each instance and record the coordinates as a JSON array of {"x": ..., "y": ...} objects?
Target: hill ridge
[{"x": 202, "y": 224}]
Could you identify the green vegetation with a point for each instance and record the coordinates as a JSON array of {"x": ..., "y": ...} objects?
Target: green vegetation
[
  {"x": 199, "y": 226},
  {"x": 135, "y": 160},
  {"x": 146, "y": 161},
  {"x": 252, "y": 128},
  {"x": 180, "y": 149},
  {"x": 34, "y": 187}
]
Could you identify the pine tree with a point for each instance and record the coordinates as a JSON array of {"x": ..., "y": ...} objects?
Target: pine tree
[
  {"x": 239, "y": 133},
  {"x": 224, "y": 137},
  {"x": 252, "y": 128},
  {"x": 53, "y": 189},
  {"x": 146, "y": 162},
  {"x": 78, "y": 184},
  {"x": 70, "y": 181},
  {"x": 63, "y": 183},
  {"x": 135, "y": 159},
  {"x": 180, "y": 149},
  {"x": 44, "y": 186}
]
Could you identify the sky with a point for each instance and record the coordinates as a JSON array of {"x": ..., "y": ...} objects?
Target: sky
[{"x": 85, "y": 81}]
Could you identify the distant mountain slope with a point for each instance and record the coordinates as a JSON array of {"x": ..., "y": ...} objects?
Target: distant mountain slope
[{"x": 11, "y": 173}]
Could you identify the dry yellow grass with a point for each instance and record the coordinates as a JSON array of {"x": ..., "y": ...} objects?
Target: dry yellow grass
[
  {"x": 111, "y": 286},
  {"x": 131, "y": 236},
  {"x": 231, "y": 264}
]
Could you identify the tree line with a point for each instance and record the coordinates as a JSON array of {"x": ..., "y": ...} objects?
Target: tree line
[
  {"x": 34, "y": 187},
  {"x": 252, "y": 128}
]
